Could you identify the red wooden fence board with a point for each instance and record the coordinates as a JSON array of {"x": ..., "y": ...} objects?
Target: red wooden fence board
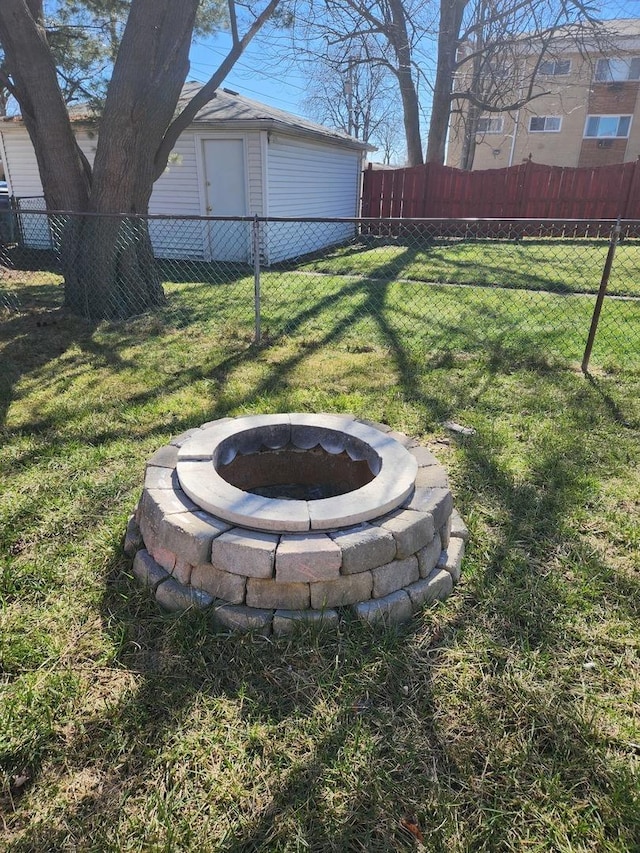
[{"x": 526, "y": 191}]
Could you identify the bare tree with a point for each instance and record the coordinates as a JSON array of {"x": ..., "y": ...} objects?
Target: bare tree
[
  {"x": 108, "y": 274},
  {"x": 347, "y": 91},
  {"x": 386, "y": 33},
  {"x": 489, "y": 56}
]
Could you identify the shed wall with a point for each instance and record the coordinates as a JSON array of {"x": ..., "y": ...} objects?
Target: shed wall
[
  {"x": 300, "y": 179},
  {"x": 306, "y": 179}
]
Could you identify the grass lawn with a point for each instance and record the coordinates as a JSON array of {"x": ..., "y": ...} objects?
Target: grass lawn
[
  {"x": 506, "y": 719},
  {"x": 557, "y": 265}
]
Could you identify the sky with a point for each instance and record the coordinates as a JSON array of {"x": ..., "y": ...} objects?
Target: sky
[{"x": 284, "y": 87}]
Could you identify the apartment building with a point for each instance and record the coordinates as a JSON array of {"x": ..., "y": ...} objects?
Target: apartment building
[{"x": 586, "y": 111}]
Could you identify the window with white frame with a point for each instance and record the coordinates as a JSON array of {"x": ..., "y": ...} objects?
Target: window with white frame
[
  {"x": 490, "y": 125},
  {"x": 555, "y": 67},
  {"x": 545, "y": 124},
  {"x": 618, "y": 70},
  {"x": 607, "y": 127}
]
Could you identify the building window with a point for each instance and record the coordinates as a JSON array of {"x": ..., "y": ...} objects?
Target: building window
[
  {"x": 555, "y": 67},
  {"x": 490, "y": 125},
  {"x": 607, "y": 127},
  {"x": 545, "y": 124},
  {"x": 617, "y": 70}
]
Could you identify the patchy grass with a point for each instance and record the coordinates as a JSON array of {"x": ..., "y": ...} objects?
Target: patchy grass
[{"x": 506, "y": 719}]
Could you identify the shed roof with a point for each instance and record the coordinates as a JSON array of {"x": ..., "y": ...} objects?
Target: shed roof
[
  {"x": 234, "y": 111},
  {"x": 232, "y": 108}
]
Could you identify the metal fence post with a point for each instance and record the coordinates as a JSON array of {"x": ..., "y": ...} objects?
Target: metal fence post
[
  {"x": 604, "y": 281},
  {"x": 256, "y": 277}
]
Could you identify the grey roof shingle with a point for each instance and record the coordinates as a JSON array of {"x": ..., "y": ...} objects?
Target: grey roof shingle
[{"x": 228, "y": 106}]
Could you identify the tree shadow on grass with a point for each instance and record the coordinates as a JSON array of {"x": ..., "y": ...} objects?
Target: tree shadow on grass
[
  {"x": 438, "y": 261},
  {"x": 338, "y": 738},
  {"x": 488, "y": 746}
]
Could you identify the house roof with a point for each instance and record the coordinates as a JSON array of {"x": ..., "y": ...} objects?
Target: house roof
[{"x": 231, "y": 108}]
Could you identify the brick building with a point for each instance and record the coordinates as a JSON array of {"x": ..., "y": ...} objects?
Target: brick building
[{"x": 586, "y": 113}]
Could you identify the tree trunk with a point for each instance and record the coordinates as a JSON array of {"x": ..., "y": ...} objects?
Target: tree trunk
[
  {"x": 451, "y": 12},
  {"x": 110, "y": 272},
  {"x": 29, "y": 61},
  {"x": 105, "y": 244},
  {"x": 408, "y": 94},
  {"x": 470, "y": 130}
]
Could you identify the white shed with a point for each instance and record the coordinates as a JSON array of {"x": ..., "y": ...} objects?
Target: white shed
[{"x": 238, "y": 158}]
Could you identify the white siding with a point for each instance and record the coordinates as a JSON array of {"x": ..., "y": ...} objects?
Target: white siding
[
  {"x": 310, "y": 179},
  {"x": 255, "y": 174},
  {"x": 300, "y": 179},
  {"x": 177, "y": 190},
  {"x": 21, "y": 166},
  {"x": 177, "y": 193}
]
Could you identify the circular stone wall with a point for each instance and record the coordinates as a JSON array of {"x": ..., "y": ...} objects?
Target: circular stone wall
[{"x": 273, "y": 519}]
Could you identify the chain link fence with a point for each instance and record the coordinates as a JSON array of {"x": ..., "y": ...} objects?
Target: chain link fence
[{"x": 428, "y": 286}]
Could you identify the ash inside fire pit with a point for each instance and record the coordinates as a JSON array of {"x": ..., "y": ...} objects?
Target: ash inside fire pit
[{"x": 296, "y": 474}]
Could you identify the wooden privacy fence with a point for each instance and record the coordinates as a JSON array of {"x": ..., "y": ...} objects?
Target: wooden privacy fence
[{"x": 527, "y": 191}]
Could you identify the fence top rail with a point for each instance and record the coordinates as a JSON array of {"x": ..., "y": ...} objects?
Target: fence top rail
[{"x": 358, "y": 220}]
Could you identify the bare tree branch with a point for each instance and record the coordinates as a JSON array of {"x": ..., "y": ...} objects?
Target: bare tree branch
[{"x": 207, "y": 92}]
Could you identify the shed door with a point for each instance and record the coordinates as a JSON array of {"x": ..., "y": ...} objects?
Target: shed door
[{"x": 224, "y": 164}]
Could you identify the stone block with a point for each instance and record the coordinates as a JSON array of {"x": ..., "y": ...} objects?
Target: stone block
[
  {"x": 274, "y": 435},
  {"x": 411, "y": 529},
  {"x": 451, "y": 559},
  {"x": 364, "y": 547},
  {"x": 158, "y": 503},
  {"x": 287, "y": 621},
  {"x": 182, "y": 571},
  {"x": 432, "y": 477},
  {"x": 393, "y": 609},
  {"x": 403, "y": 439},
  {"x": 437, "y": 586},
  {"x": 215, "y": 423},
  {"x": 309, "y": 430},
  {"x": 429, "y": 555},
  {"x": 132, "y": 538},
  {"x": 162, "y": 556},
  {"x": 423, "y": 456},
  {"x": 267, "y": 593},
  {"x": 347, "y": 589},
  {"x": 245, "y": 552},
  {"x": 459, "y": 529},
  {"x": 147, "y": 571},
  {"x": 158, "y": 477},
  {"x": 237, "y": 618},
  {"x": 218, "y": 583},
  {"x": 438, "y": 502},
  {"x": 375, "y": 424},
  {"x": 190, "y": 534},
  {"x": 176, "y": 597},
  {"x": 445, "y": 533},
  {"x": 164, "y": 457},
  {"x": 200, "y": 480},
  {"x": 394, "y": 576},
  {"x": 307, "y": 558}
]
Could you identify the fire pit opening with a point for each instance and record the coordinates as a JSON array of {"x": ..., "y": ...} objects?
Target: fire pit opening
[{"x": 297, "y": 472}]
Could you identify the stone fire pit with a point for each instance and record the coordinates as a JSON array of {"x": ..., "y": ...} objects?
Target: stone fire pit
[{"x": 273, "y": 519}]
